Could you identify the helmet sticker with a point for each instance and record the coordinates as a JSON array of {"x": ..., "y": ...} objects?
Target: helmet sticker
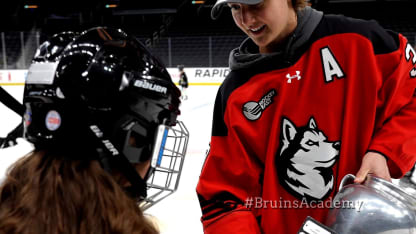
[
  {"x": 41, "y": 73},
  {"x": 53, "y": 120},
  {"x": 159, "y": 146},
  {"x": 27, "y": 117}
]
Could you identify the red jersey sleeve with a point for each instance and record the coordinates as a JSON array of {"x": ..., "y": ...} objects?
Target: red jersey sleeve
[
  {"x": 395, "y": 130},
  {"x": 229, "y": 176}
]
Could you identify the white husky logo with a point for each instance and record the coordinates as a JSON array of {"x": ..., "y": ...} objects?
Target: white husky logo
[{"x": 305, "y": 161}]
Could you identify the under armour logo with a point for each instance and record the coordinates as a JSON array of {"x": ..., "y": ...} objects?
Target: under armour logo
[
  {"x": 413, "y": 73},
  {"x": 289, "y": 77}
]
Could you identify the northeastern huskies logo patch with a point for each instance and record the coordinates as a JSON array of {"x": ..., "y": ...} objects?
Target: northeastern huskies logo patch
[
  {"x": 305, "y": 160},
  {"x": 252, "y": 110}
]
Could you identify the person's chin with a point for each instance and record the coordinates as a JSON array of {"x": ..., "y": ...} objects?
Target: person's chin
[{"x": 260, "y": 42}]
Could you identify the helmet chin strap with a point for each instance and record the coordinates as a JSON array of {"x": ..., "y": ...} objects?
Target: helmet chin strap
[{"x": 108, "y": 155}]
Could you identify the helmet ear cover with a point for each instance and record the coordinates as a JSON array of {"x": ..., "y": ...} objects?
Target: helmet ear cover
[
  {"x": 110, "y": 159},
  {"x": 134, "y": 138}
]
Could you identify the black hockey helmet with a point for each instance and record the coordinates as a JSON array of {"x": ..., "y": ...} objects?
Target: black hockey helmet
[
  {"x": 89, "y": 98},
  {"x": 51, "y": 49}
]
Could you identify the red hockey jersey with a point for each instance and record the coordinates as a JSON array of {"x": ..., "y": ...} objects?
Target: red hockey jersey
[{"x": 285, "y": 134}]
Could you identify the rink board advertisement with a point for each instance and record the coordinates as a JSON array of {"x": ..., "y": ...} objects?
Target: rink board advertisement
[
  {"x": 201, "y": 75},
  {"x": 12, "y": 77},
  {"x": 196, "y": 76}
]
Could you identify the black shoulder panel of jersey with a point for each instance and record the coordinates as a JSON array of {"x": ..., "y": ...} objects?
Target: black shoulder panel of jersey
[
  {"x": 234, "y": 80},
  {"x": 383, "y": 41}
]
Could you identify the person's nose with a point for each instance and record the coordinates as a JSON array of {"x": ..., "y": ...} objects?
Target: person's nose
[{"x": 247, "y": 17}]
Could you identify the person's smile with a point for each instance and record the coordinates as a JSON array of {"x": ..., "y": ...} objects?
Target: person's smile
[{"x": 257, "y": 30}]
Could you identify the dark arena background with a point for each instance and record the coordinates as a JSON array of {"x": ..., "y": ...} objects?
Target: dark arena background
[{"x": 179, "y": 32}]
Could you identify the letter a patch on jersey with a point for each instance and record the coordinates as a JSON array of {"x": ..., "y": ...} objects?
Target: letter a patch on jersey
[
  {"x": 411, "y": 56},
  {"x": 330, "y": 65}
]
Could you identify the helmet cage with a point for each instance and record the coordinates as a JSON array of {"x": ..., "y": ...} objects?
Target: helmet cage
[{"x": 167, "y": 161}]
